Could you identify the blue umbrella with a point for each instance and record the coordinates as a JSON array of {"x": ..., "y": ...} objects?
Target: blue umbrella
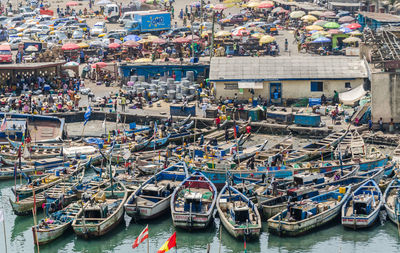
[
  {"x": 132, "y": 37},
  {"x": 321, "y": 40},
  {"x": 345, "y": 30},
  {"x": 313, "y": 31}
]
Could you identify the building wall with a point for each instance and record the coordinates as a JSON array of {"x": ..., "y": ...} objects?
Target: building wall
[
  {"x": 292, "y": 89},
  {"x": 385, "y": 90}
]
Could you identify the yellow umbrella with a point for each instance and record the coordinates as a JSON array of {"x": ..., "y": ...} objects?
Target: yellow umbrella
[
  {"x": 102, "y": 35},
  {"x": 223, "y": 34},
  {"x": 231, "y": 1},
  {"x": 351, "y": 40},
  {"x": 316, "y": 13},
  {"x": 355, "y": 33},
  {"x": 142, "y": 60},
  {"x": 205, "y": 33},
  {"x": 314, "y": 28},
  {"x": 257, "y": 35},
  {"x": 309, "y": 18},
  {"x": 83, "y": 45},
  {"x": 253, "y": 4},
  {"x": 266, "y": 39}
]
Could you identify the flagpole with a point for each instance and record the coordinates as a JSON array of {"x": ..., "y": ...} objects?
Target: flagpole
[
  {"x": 15, "y": 181},
  {"x": 4, "y": 230},
  {"x": 220, "y": 238},
  {"x": 34, "y": 217},
  {"x": 148, "y": 244}
]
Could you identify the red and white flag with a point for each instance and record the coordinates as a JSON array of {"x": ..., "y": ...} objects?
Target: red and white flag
[
  {"x": 143, "y": 236},
  {"x": 3, "y": 125}
]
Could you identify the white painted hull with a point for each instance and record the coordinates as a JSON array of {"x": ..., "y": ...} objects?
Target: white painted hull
[
  {"x": 194, "y": 221},
  {"x": 148, "y": 212},
  {"x": 49, "y": 235}
]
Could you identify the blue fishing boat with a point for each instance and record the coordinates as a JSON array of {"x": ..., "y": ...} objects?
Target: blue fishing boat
[
  {"x": 153, "y": 197},
  {"x": 238, "y": 214},
  {"x": 361, "y": 210},
  {"x": 301, "y": 217},
  {"x": 157, "y": 143},
  {"x": 392, "y": 201},
  {"x": 193, "y": 202}
]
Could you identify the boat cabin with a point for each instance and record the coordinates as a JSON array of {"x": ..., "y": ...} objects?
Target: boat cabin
[
  {"x": 192, "y": 201},
  {"x": 298, "y": 194},
  {"x": 304, "y": 179},
  {"x": 240, "y": 213},
  {"x": 363, "y": 204},
  {"x": 154, "y": 190},
  {"x": 97, "y": 211},
  {"x": 302, "y": 212}
]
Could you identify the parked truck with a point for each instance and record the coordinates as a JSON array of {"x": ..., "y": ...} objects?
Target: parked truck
[
  {"x": 153, "y": 22},
  {"x": 113, "y": 11}
]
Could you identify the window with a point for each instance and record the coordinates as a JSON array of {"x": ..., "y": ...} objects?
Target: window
[
  {"x": 231, "y": 86},
  {"x": 317, "y": 86},
  {"x": 347, "y": 85}
]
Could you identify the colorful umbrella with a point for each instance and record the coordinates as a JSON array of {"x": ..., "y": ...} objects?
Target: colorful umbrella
[
  {"x": 141, "y": 60},
  {"x": 252, "y": 4},
  {"x": 132, "y": 37},
  {"x": 83, "y": 45},
  {"x": 219, "y": 7},
  {"x": 354, "y": 26},
  {"x": 196, "y": 4},
  {"x": 71, "y": 63},
  {"x": 331, "y": 25},
  {"x": 265, "y": 5},
  {"x": 328, "y": 14},
  {"x": 240, "y": 32},
  {"x": 320, "y": 22},
  {"x": 309, "y": 18},
  {"x": 70, "y": 46},
  {"x": 355, "y": 33},
  {"x": 316, "y": 13},
  {"x": 266, "y": 39},
  {"x": 352, "y": 40},
  {"x": 223, "y": 34},
  {"x": 72, "y": 3},
  {"x": 345, "y": 30},
  {"x": 314, "y": 27},
  {"x": 181, "y": 40},
  {"x": 114, "y": 45},
  {"x": 131, "y": 43},
  {"x": 322, "y": 40},
  {"x": 277, "y": 9},
  {"x": 99, "y": 65},
  {"x": 334, "y": 31},
  {"x": 257, "y": 35},
  {"x": 297, "y": 14},
  {"x": 346, "y": 19}
]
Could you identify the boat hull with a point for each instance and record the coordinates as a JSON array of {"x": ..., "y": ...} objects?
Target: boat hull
[
  {"x": 189, "y": 222},
  {"x": 46, "y": 236},
  {"x": 148, "y": 212}
]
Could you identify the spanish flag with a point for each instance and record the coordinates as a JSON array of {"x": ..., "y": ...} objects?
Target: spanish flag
[{"x": 169, "y": 244}]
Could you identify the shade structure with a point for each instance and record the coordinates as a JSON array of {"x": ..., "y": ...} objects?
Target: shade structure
[
  {"x": 83, "y": 45},
  {"x": 158, "y": 41},
  {"x": 253, "y": 4},
  {"x": 70, "y": 46},
  {"x": 355, "y": 33},
  {"x": 72, "y": 3},
  {"x": 181, "y": 40},
  {"x": 223, "y": 34},
  {"x": 143, "y": 60},
  {"x": 297, "y": 14},
  {"x": 277, "y": 9},
  {"x": 266, "y": 39},
  {"x": 132, "y": 37},
  {"x": 103, "y": 2},
  {"x": 131, "y": 43},
  {"x": 97, "y": 43},
  {"x": 205, "y": 33},
  {"x": 331, "y": 25},
  {"x": 31, "y": 49},
  {"x": 309, "y": 18},
  {"x": 334, "y": 31},
  {"x": 321, "y": 40},
  {"x": 328, "y": 14},
  {"x": 71, "y": 63},
  {"x": 345, "y": 30},
  {"x": 265, "y": 5},
  {"x": 346, "y": 19},
  {"x": 316, "y": 36},
  {"x": 314, "y": 27},
  {"x": 354, "y": 26},
  {"x": 257, "y": 35},
  {"x": 352, "y": 40},
  {"x": 316, "y": 13},
  {"x": 99, "y": 65},
  {"x": 241, "y": 32},
  {"x": 219, "y": 7},
  {"x": 114, "y": 45},
  {"x": 320, "y": 22}
]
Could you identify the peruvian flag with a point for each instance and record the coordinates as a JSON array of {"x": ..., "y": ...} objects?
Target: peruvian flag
[{"x": 143, "y": 236}]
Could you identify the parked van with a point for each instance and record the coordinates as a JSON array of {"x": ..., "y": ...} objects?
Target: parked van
[{"x": 5, "y": 54}]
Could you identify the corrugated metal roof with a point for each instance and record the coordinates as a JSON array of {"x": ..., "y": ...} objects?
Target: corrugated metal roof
[
  {"x": 381, "y": 17},
  {"x": 285, "y": 68}
]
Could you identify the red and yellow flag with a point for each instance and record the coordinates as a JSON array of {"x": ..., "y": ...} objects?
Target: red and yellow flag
[{"x": 169, "y": 244}]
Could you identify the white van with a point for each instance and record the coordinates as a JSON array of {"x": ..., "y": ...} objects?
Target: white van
[{"x": 129, "y": 16}]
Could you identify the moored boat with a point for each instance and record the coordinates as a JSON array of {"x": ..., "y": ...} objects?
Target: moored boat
[
  {"x": 193, "y": 202},
  {"x": 392, "y": 201},
  {"x": 238, "y": 214},
  {"x": 303, "y": 216},
  {"x": 362, "y": 208}
]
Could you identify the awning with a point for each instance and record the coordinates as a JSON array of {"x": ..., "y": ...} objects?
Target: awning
[{"x": 250, "y": 85}]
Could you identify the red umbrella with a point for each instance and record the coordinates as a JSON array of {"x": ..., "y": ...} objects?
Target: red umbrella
[
  {"x": 241, "y": 32},
  {"x": 265, "y": 5},
  {"x": 70, "y": 46},
  {"x": 72, "y": 3},
  {"x": 334, "y": 31},
  {"x": 114, "y": 46},
  {"x": 354, "y": 26},
  {"x": 181, "y": 40},
  {"x": 131, "y": 43},
  {"x": 219, "y": 7},
  {"x": 99, "y": 65},
  {"x": 159, "y": 41},
  {"x": 328, "y": 14}
]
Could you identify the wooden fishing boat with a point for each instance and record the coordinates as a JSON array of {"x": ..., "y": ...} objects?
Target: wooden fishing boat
[
  {"x": 153, "y": 197},
  {"x": 29, "y": 167},
  {"x": 362, "y": 208},
  {"x": 396, "y": 154},
  {"x": 65, "y": 190},
  {"x": 219, "y": 134},
  {"x": 244, "y": 154},
  {"x": 193, "y": 202},
  {"x": 102, "y": 213},
  {"x": 392, "y": 201},
  {"x": 319, "y": 148},
  {"x": 157, "y": 143},
  {"x": 53, "y": 227},
  {"x": 309, "y": 214},
  {"x": 283, "y": 147},
  {"x": 238, "y": 214}
]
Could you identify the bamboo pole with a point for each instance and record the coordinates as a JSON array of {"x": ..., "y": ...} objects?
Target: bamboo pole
[{"x": 4, "y": 232}]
